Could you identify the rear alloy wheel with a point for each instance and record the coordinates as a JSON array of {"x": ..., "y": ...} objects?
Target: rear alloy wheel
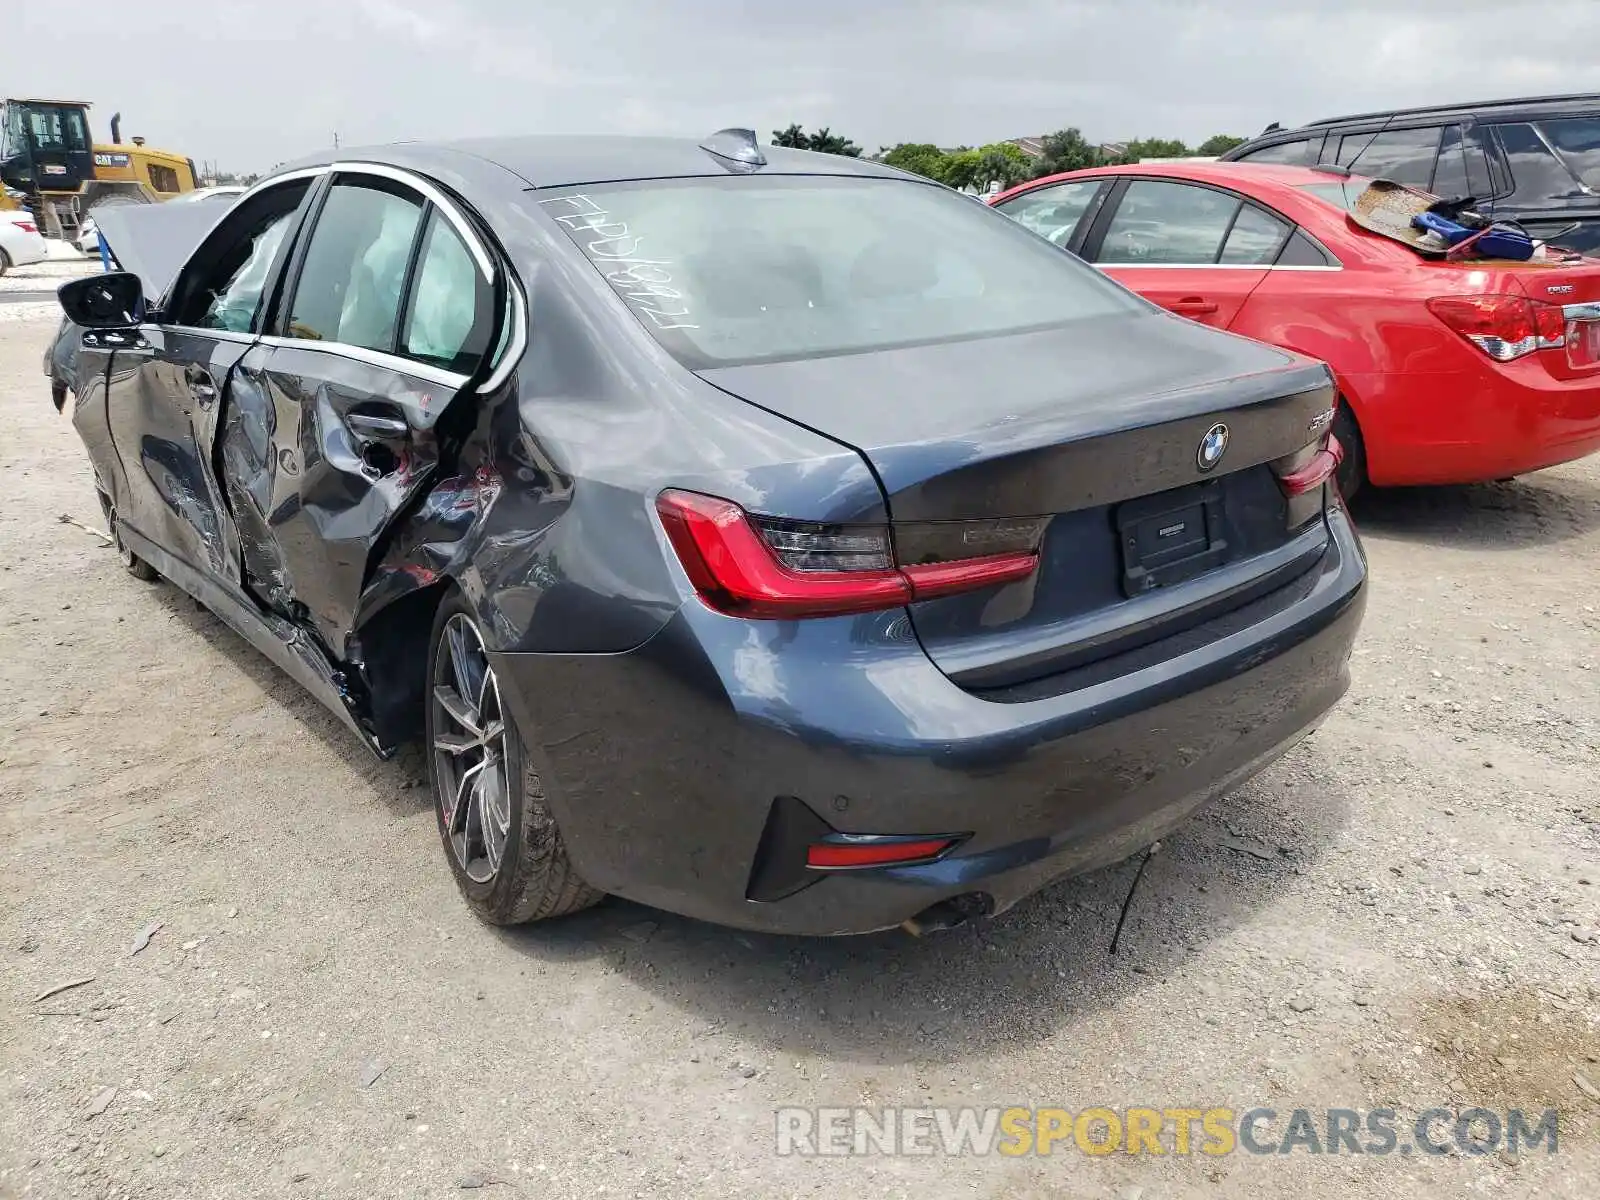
[
  {"x": 5, "y": 262},
  {"x": 1352, "y": 474},
  {"x": 502, "y": 840},
  {"x": 131, "y": 562}
]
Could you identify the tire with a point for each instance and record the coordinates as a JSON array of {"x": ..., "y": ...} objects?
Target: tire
[
  {"x": 531, "y": 878},
  {"x": 5, "y": 262},
  {"x": 1352, "y": 473},
  {"x": 131, "y": 562}
]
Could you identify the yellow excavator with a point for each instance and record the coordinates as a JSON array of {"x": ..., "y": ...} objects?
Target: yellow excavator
[{"x": 49, "y": 164}]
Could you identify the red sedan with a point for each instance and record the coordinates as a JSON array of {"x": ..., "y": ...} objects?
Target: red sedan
[{"x": 1448, "y": 373}]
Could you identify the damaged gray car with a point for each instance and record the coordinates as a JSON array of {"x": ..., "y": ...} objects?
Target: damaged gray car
[{"x": 772, "y": 537}]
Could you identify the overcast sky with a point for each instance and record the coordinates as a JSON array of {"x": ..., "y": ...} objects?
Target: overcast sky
[{"x": 248, "y": 83}]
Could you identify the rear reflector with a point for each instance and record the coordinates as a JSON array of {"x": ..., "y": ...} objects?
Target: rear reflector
[
  {"x": 874, "y": 852},
  {"x": 1315, "y": 473},
  {"x": 773, "y": 569},
  {"x": 1503, "y": 327}
]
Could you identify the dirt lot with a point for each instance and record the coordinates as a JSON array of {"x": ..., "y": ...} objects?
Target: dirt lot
[{"x": 1403, "y": 913}]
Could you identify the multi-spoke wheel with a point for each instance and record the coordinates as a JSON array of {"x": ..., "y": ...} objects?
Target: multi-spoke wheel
[
  {"x": 469, "y": 754},
  {"x": 131, "y": 562},
  {"x": 504, "y": 845}
]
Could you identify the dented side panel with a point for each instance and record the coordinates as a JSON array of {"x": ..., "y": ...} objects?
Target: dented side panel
[
  {"x": 163, "y": 401},
  {"x": 316, "y": 488}
]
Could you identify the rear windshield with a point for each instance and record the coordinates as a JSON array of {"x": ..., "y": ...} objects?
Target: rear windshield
[
  {"x": 741, "y": 269},
  {"x": 1337, "y": 191}
]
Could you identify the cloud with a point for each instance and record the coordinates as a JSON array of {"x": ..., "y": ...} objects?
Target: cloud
[{"x": 251, "y": 82}]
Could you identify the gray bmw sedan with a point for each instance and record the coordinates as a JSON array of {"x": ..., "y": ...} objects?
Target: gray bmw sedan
[{"x": 769, "y": 536}]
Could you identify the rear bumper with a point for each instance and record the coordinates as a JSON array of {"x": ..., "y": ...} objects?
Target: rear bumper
[
  {"x": 663, "y": 764},
  {"x": 1489, "y": 422}
]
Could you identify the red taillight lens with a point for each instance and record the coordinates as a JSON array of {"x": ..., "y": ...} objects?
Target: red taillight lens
[
  {"x": 782, "y": 570},
  {"x": 27, "y": 226},
  {"x": 1503, "y": 327},
  {"x": 874, "y": 852},
  {"x": 1316, "y": 472}
]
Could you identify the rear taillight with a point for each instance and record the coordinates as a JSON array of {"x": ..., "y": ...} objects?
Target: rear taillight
[
  {"x": 26, "y": 226},
  {"x": 772, "y": 569},
  {"x": 1503, "y": 327},
  {"x": 1312, "y": 471}
]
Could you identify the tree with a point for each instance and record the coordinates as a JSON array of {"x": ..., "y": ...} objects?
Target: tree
[
  {"x": 1142, "y": 148},
  {"x": 824, "y": 140},
  {"x": 1002, "y": 163},
  {"x": 1065, "y": 150},
  {"x": 1219, "y": 144},
  {"x": 828, "y": 142},
  {"x": 962, "y": 168},
  {"x": 920, "y": 158}
]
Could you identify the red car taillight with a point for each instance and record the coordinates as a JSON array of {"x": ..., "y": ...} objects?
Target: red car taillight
[
  {"x": 1503, "y": 327},
  {"x": 26, "y": 226},
  {"x": 771, "y": 569}
]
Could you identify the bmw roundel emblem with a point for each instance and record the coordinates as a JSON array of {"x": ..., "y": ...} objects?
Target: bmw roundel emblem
[{"x": 1212, "y": 447}]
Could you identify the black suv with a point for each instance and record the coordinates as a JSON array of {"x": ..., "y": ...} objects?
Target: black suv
[{"x": 1535, "y": 161}]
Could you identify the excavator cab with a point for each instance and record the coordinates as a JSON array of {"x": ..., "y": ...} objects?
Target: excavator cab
[{"x": 45, "y": 146}]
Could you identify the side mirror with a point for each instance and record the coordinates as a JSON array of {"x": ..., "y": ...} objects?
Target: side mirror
[{"x": 114, "y": 300}]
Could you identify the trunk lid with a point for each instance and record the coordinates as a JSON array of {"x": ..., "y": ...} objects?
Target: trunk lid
[{"x": 1086, "y": 439}]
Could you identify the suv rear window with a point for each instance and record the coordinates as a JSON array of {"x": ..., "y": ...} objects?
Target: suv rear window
[{"x": 740, "y": 269}]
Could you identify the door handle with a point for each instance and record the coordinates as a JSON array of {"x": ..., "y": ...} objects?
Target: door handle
[
  {"x": 1197, "y": 305},
  {"x": 369, "y": 426}
]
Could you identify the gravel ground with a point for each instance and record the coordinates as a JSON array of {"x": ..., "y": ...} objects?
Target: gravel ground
[{"x": 1402, "y": 913}]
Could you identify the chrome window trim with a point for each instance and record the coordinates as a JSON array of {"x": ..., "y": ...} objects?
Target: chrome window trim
[
  {"x": 436, "y": 197},
  {"x": 515, "y": 348},
  {"x": 1215, "y": 266},
  {"x": 286, "y": 177},
  {"x": 518, "y": 344},
  {"x": 375, "y": 358}
]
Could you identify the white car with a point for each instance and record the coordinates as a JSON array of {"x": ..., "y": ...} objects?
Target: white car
[{"x": 20, "y": 240}]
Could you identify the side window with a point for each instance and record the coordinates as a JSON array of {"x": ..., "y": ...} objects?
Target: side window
[
  {"x": 1053, "y": 212},
  {"x": 1450, "y": 177},
  {"x": 1289, "y": 154},
  {"x": 163, "y": 179},
  {"x": 354, "y": 271},
  {"x": 1167, "y": 224},
  {"x": 1255, "y": 238},
  {"x": 223, "y": 284},
  {"x": 1301, "y": 251},
  {"x": 1402, "y": 155},
  {"x": 451, "y": 315},
  {"x": 1552, "y": 160}
]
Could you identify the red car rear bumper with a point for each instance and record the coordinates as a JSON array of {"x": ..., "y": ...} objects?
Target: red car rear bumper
[{"x": 1474, "y": 425}]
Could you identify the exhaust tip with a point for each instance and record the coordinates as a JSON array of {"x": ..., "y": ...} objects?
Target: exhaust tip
[{"x": 947, "y": 914}]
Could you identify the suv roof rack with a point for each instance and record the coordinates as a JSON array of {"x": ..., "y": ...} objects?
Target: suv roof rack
[{"x": 1440, "y": 108}]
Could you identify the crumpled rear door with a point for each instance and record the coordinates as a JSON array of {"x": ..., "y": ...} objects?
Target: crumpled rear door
[{"x": 321, "y": 452}]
